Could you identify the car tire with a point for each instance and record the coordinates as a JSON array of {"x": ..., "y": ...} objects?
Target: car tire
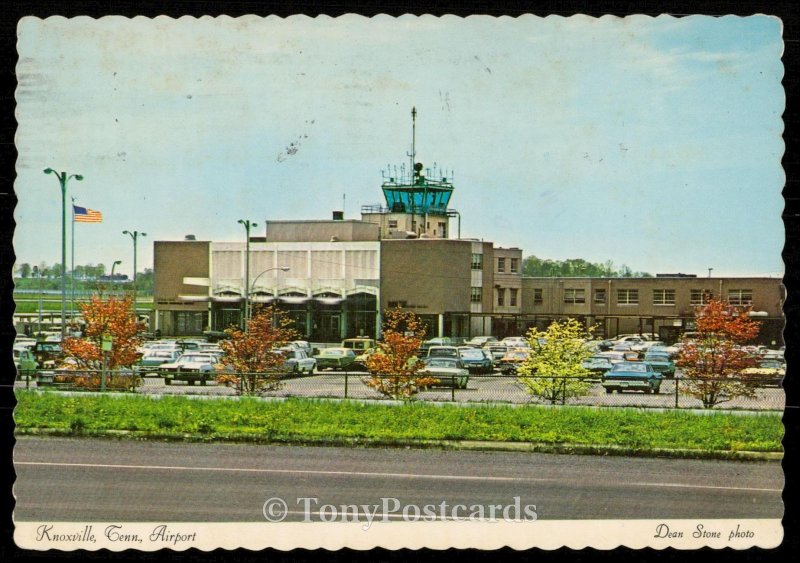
[
  {"x": 609, "y": 390},
  {"x": 167, "y": 381}
]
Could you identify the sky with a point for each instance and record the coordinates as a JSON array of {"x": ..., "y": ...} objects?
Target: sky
[{"x": 650, "y": 142}]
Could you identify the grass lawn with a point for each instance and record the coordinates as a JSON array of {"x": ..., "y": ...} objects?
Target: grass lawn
[{"x": 297, "y": 420}]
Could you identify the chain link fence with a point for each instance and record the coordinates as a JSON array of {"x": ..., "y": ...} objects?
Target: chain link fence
[{"x": 672, "y": 393}]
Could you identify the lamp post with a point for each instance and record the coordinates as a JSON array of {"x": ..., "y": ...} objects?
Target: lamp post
[
  {"x": 113, "y": 283},
  {"x": 63, "y": 179},
  {"x": 135, "y": 236},
  {"x": 38, "y": 273},
  {"x": 247, "y": 226},
  {"x": 253, "y": 285}
]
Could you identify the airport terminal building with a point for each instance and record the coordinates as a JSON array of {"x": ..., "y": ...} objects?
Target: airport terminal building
[{"x": 334, "y": 278}]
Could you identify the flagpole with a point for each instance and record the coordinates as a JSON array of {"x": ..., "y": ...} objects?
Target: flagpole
[{"x": 72, "y": 269}]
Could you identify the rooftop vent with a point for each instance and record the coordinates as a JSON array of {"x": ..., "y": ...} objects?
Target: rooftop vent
[
  {"x": 338, "y": 215},
  {"x": 190, "y": 237}
]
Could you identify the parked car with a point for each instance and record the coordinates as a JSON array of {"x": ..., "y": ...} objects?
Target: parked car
[
  {"x": 190, "y": 367},
  {"x": 671, "y": 351},
  {"x": 359, "y": 344},
  {"x": 449, "y": 371},
  {"x": 497, "y": 351},
  {"x": 476, "y": 360},
  {"x": 632, "y": 375},
  {"x": 515, "y": 342},
  {"x": 605, "y": 345},
  {"x": 444, "y": 351},
  {"x": 480, "y": 341},
  {"x": 335, "y": 358},
  {"x": 511, "y": 360},
  {"x": 613, "y": 357},
  {"x": 297, "y": 361},
  {"x": 46, "y": 354},
  {"x": 769, "y": 372},
  {"x": 438, "y": 341},
  {"x": 661, "y": 363},
  {"x": 154, "y": 359},
  {"x": 598, "y": 365},
  {"x": 23, "y": 359}
]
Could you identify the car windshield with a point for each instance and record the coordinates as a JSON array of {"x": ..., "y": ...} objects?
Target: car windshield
[
  {"x": 442, "y": 363},
  {"x": 195, "y": 358},
  {"x": 630, "y": 367},
  {"x": 471, "y": 354},
  {"x": 656, "y": 358},
  {"x": 156, "y": 355},
  {"x": 770, "y": 364}
]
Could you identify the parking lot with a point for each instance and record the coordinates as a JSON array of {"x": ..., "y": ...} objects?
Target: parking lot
[{"x": 494, "y": 388}]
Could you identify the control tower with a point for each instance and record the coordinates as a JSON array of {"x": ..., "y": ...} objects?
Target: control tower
[{"x": 416, "y": 199}]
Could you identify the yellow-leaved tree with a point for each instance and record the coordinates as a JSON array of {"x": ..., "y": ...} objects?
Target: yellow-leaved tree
[{"x": 553, "y": 371}]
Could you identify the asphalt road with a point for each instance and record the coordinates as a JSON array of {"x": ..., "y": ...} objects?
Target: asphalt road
[{"x": 106, "y": 480}]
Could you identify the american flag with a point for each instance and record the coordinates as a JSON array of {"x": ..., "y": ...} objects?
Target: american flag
[{"x": 84, "y": 215}]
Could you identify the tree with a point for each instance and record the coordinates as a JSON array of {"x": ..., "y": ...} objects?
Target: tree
[
  {"x": 253, "y": 352},
  {"x": 104, "y": 315},
  {"x": 24, "y": 270},
  {"x": 713, "y": 360},
  {"x": 553, "y": 371},
  {"x": 394, "y": 366}
]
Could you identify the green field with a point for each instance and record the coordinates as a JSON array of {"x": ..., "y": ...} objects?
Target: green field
[{"x": 299, "y": 420}]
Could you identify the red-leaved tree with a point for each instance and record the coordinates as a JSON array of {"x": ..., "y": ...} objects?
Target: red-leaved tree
[
  {"x": 394, "y": 366},
  {"x": 713, "y": 360},
  {"x": 106, "y": 315},
  {"x": 253, "y": 352}
]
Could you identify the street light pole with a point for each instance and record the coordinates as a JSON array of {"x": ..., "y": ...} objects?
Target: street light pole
[
  {"x": 38, "y": 273},
  {"x": 114, "y": 265},
  {"x": 253, "y": 285},
  {"x": 247, "y": 226},
  {"x": 135, "y": 236},
  {"x": 63, "y": 178}
]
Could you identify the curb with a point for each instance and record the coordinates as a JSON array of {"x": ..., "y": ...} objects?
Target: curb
[{"x": 464, "y": 445}]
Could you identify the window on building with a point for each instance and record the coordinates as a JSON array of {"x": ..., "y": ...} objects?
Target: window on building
[
  {"x": 537, "y": 296},
  {"x": 740, "y": 296},
  {"x": 515, "y": 265},
  {"x": 475, "y": 294},
  {"x": 574, "y": 295},
  {"x": 599, "y": 296},
  {"x": 392, "y": 223},
  {"x": 501, "y": 265},
  {"x": 700, "y": 296},
  {"x": 477, "y": 261},
  {"x": 501, "y": 297},
  {"x": 443, "y": 229},
  {"x": 393, "y": 304},
  {"x": 627, "y": 297},
  {"x": 512, "y": 297},
  {"x": 663, "y": 297}
]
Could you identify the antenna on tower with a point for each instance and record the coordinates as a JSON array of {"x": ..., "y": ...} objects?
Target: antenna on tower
[{"x": 413, "y": 154}]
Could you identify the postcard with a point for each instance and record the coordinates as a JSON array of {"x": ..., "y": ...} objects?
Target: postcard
[{"x": 399, "y": 282}]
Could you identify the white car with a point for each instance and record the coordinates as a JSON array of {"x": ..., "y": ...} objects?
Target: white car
[
  {"x": 190, "y": 367},
  {"x": 298, "y": 361}
]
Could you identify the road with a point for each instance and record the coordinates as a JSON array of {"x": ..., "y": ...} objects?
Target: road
[{"x": 104, "y": 480}]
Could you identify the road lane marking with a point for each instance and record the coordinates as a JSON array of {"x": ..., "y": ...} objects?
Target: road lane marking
[{"x": 370, "y": 474}]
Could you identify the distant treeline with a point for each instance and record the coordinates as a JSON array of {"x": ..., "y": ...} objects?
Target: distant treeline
[{"x": 576, "y": 268}]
